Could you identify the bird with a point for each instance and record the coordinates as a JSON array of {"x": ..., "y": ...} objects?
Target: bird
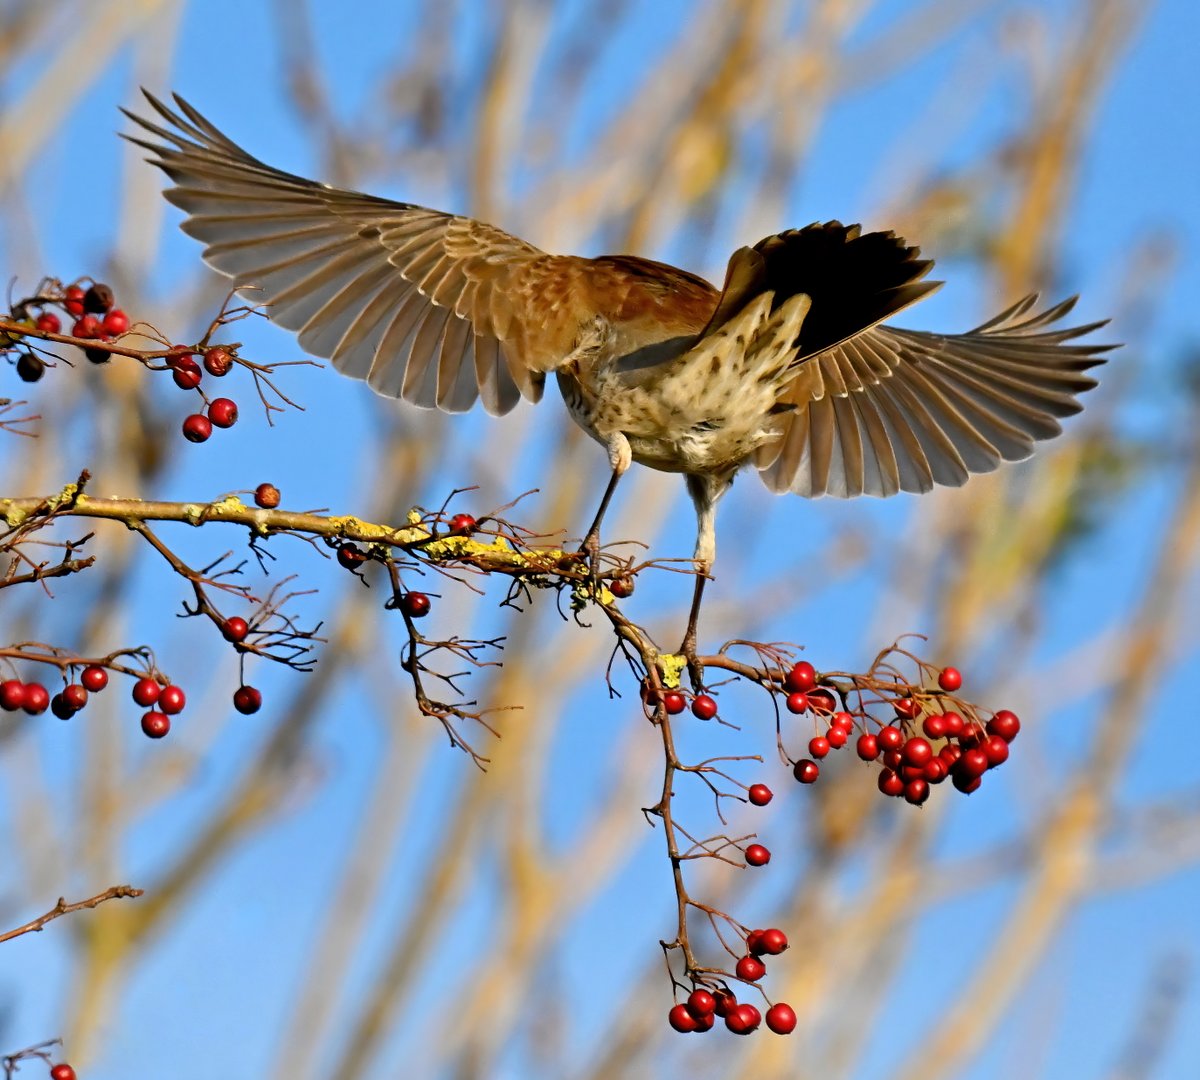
[{"x": 789, "y": 368}]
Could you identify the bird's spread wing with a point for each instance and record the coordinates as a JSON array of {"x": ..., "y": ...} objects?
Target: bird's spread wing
[
  {"x": 425, "y": 306},
  {"x": 891, "y": 410}
]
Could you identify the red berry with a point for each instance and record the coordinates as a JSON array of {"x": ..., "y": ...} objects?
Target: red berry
[
  {"x": 891, "y": 738},
  {"x": 60, "y": 708},
  {"x": 950, "y": 754},
  {"x": 966, "y": 784},
  {"x": 954, "y": 725},
  {"x": 797, "y": 703},
  {"x": 146, "y": 692},
  {"x": 757, "y": 855},
  {"x": 750, "y": 969},
  {"x": 116, "y": 323},
  {"x": 701, "y": 1003},
  {"x": 98, "y": 299},
  {"x": 743, "y": 1019},
  {"x": 217, "y": 361},
  {"x": 916, "y": 791},
  {"x": 172, "y": 700},
  {"x": 197, "y": 428},
  {"x": 223, "y": 412},
  {"x": 867, "y": 747},
  {"x": 843, "y": 720},
  {"x": 30, "y": 368},
  {"x": 75, "y": 696},
  {"x": 781, "y": 1018},
  {"x": 674, "y": 702},
  {"x": 972, "y": 735},
  {"x": 247, "y": 700},
  {"x": 73, "y": 300},
  {"x": 87, "y": 327},
  {"x": 917, "y": 751},
  {"x": 235, "y": 629},
  {"x": 94, "y": 678},
  {"x": 49, "y": 323},
  {"x": 705, "y": 1023},
  {"x": 806, "y": 771},
  {"x": 266, "y": 496},
  {"x": 37, "y": 698},
  {"x": 890, "y": 783},
  {"x": 802, "y": 677},
  {"x": 724, "y": 1002},
  {"x": 907, "y": 707},
  {"x": 62, "y": 1071},
  {"x": 186, "y": 373},
  {"x": 893, "y": 759},
  {"x": 818, "y": 746},
  {"x": 821, "y": 700},
  {"x": 350, "y": 556},
  {"x": 754, "y": 943},
  {"x": 155, "y": 725},
  {"x": 934, "y": 726},
  {"x": 973, "y": 763},
  {"x": 12, "y": 695},
  {"x": 996, "y": 750},
  {"x": 912, "y": 772},
  {"x": 681, "y": 1020},
  {"x": 463, "y": 523},
  {"x": 936, "y": 770},
  {"x": 1005, "y": 724},
  {"x": 837, "y": 737},
  {"x": 704, "y": 707},
  {"x": 950, "y": 679},
  {"x": 772, "y": 941},
  {"x": 415, "y": 605},
  {"x": 760, "y": 794},
  {"x": 622, "y": 587}
]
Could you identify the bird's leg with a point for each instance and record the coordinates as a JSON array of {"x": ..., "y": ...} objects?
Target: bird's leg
[
  {"x": 620, "y": 456},
  {"x": 705, "y": 491}
]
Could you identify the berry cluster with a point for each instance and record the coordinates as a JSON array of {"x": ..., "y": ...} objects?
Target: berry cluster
[
  {"x": 95, "y": 319},
  {"x": 927, "y": 741},
  {"x": 221, "y": 412}
]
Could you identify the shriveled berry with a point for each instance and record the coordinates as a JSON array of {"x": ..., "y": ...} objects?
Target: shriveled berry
[
  {"x": 266, "y": 496},
  {"x": 837, "y": 737},
  {"x": 155, "y": 725},
  {"x": 622, "y": 587},
  {"x": 750, "y": 968},
  {"x": 186, "y": 372},
  {"x": 60, "y": 708},
  {"x": 934, "y": 726},
  {"x": 950, "y": 679},
  {"x": 415, "y": 605},
  {"x": 806, "y": 771},
  {"x": 781, "y": 1018},
  {"x": 674, "y": 702},
  {"x": 463, "y": 524},
  {"x": 867, "y": 747},
  {"x": 12, "y": 695},
  {"x": 916, "y": 791},
  {"x": 797, "y": 702},
  {"x": 49, "y": 323},
  {"x": 197, "y": 428},
  {"x": 98, "y": 299},
  {"x": 891, "y": 738},
  {"x": 757, "y": 855},
  {"x": 37, "y": 699},
  {"x": 30, "y": 368},
  {"x": 772, "y": 941},
  {"x": 996, "y": 750},
  {"x": 890, "y": 782},
  {"x": 701, "y": 1003},
  {"x": 94, "y": 678},
  {"x": 223, "y": 412},
  {"x": 818, "y": 746},
  {"x": 681, "y": 1020},
  {"x": 62, "y": 1071},
  {"x": 247, "y": 700},
  {"x": 1005, "y": 724},
  {"x": 116, "y": 323},
  {"x": 75, "y": 695},
  {"x": 146, "y": 692},
  {"x": 802, "y": 677},
  {"x": 743, "y": 1020},
  {"x": 724, "y": 1002},
  {"x": 704, "y": 707},
  {"x": 917, "y": 751},
  {"x": 235, "y": 629},
  {"x": 172, "y": 700},
  {"x": 760, "y": 794},
  {"x": 217, "y": 361}
]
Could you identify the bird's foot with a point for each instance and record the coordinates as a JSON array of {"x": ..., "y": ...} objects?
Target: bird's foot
[
  {"x": 590, "y": 550},
  {"x": 687, "y": 650}
]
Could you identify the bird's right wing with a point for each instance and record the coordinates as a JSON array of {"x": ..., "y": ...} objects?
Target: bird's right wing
[{"x": 429, "y": 307}]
